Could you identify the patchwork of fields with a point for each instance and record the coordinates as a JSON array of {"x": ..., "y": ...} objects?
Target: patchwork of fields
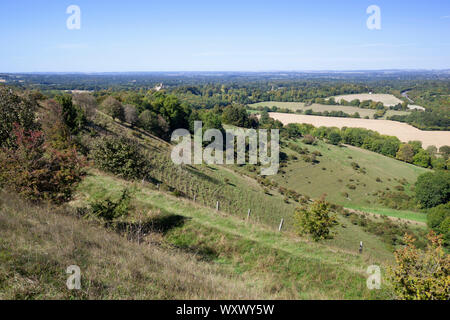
[{"x": 403, "y": 131}]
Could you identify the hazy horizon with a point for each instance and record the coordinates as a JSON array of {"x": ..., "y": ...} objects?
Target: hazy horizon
[
  {"x": 201, "y": 36},
  {"x": 232, "y": 71}
]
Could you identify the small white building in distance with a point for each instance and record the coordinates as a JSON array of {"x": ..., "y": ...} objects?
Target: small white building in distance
[{"x": 158, "y": 88}]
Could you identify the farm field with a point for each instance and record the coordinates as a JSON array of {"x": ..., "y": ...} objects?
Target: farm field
[
  {"x": 403, "y": 131},
  {"x": 387, "y": 99},
  {"x": 294, "y": 106}
]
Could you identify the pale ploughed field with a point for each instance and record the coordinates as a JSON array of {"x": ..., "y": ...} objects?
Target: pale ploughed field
[
  {"x": 403, "y": 131},
  {"x": 387, "y": 99}
]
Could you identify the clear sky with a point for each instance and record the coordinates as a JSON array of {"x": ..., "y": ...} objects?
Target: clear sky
[{"x": 210, "y": 35}]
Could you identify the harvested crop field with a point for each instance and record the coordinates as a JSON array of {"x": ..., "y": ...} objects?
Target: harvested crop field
[
  {"x": 403, "y": 131},
  {"x": 386, "y": 99}
]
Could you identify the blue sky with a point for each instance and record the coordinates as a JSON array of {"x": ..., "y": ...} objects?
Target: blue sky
[{"x": 244, "y": 35}]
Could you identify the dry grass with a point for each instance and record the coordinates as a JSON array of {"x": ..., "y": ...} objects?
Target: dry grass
[{"x": 37, "y": 244}]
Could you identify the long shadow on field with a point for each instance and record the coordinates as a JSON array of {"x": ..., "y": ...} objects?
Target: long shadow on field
[
  {"x": 161, "y": 224},
  {"x": 201, "y": 175}
]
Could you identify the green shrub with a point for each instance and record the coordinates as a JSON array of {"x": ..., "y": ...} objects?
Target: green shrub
[
  {"x": 438, "y": 219},
  {"x": 120, "y": 156},
  {"x": 110, "y": 210},
  {"x": 334, "y": 138},
  {"x": 74, "y": 117},
  {"x": 114, "y": 108},
  {"x": 433, "y": 188},
  {"x": 422, "y": 159},
  {"x": 355, "y": 166},
  {"x": 315, "y": 220},
  {"x": 14, "y": 110}
]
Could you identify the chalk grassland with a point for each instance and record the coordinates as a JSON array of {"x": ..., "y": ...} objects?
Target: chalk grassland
[
  {"x": 335, "y": 176},
  {"x": 37, "y": 244},
  {"x": 282, "y": 263},
  {"x": 294, "y": 106},
  {"x": 420, "y": 218},
  {"x": 387, "y": 99},
  {"x": 190, "y": 250},
  {"x": 220, "y": 183},
  {"x": 403, "y": 131},
  {"x": 207, "y": 183}
]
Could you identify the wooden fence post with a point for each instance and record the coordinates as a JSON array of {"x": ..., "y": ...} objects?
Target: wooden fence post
[
  {"x": 281, "y": 224},
  {"x": 217, "y": 206}
]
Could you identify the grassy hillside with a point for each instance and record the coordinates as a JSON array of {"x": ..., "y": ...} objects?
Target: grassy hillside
[
  {"x": 188, "y": 249},
  {"x": 237, "y": 191},
  {"x": 335, "y": 174},
  {"x": 284, "y": 264},
  {"x": 39, "y": 243}
]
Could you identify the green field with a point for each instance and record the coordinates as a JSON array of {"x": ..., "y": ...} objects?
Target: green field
[
  {"x": 402, "y": 214},
  {"x": 335, "y": 177},
  {"x": 294, "y": 106},
  {"x": 334, "y": 173}
]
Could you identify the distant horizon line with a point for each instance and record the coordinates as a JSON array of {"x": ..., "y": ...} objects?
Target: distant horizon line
[{"x": 234, "y": 71}]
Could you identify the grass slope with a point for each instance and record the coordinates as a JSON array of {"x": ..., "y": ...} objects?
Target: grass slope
[
  {"x": 191, "y": 250},
  {"x": 237, "y": 193},
  {"x": 283, "y": 264},
  {"x": 37, "y": 244},
  {"x": 335, "y": 177}
]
